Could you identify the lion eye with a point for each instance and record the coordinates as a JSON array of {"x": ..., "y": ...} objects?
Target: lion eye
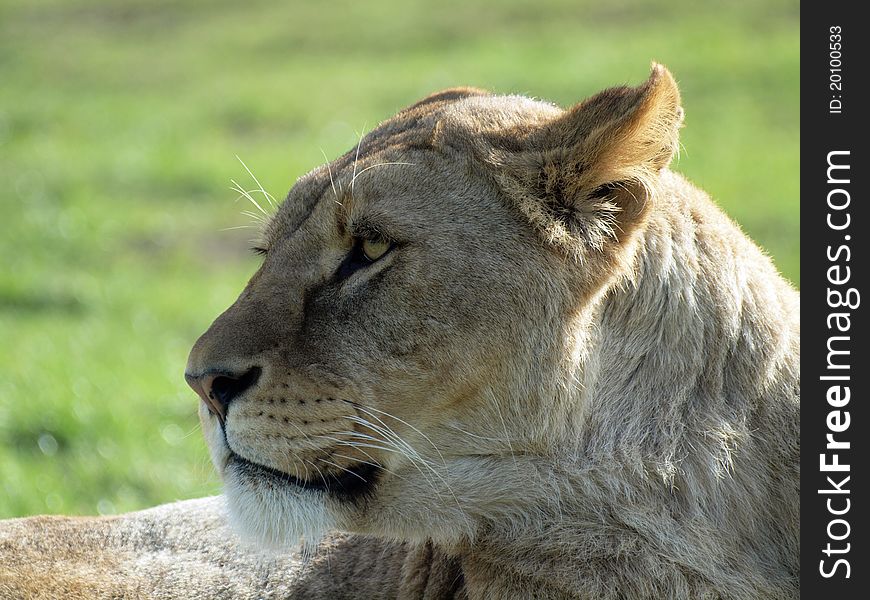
[
  {"x": 365, "y": 251},
  {"x": 374, "y": 249}
]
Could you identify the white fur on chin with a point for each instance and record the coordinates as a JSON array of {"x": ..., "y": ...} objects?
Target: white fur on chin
[{"x": 275, "y": 517}]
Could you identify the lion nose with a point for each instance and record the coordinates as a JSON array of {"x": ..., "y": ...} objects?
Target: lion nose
[{"x": 218, "y": 389}]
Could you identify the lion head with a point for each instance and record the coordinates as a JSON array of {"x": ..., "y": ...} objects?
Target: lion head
[{"x": 428, "y": 350}]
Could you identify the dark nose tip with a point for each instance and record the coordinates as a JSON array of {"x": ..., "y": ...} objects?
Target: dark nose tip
[{"x": 218, "y": 389}]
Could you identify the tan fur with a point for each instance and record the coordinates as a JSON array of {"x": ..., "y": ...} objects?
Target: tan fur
[
  {"x": 578, "y": 377},
  {"x": 185, "y": 550}
]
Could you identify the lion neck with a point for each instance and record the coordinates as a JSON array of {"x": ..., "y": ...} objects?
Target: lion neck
[
  {"x": 693, "y": 337},
  {"x": 690, "y": 357}
]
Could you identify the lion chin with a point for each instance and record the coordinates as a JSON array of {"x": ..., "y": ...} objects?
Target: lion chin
[{"x": 274, "y": 515}]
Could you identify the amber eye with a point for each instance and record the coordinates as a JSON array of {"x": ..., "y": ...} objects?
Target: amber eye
[
  {"x": 374, "y": 249},
  {"x": 365, "y": 251}
]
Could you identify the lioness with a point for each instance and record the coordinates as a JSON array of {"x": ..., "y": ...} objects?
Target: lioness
[{"x": 509, "y": 354}]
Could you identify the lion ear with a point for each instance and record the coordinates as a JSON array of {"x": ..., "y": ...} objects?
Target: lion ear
[{"x": 586, "y": 177}]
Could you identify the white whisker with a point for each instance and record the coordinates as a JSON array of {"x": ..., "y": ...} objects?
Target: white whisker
[
  {"x": 388, "y": 433},
  {"x": 238, "y": 227},
  {"x": 391, "y": 446},
  {"x": 355, "y": 160},
  {"x": 316, "y": 468},
  {"x": 401, "y": 447},
  {"x": 331, "y": 180},
  {"x": 386, "y": 414},
  {"x": 373, "y": 462},
  {"x": 307, "y": 477},
  {"x": 357, "y": 475},
  {"x": 268, "y": 196},
  {"x": 254, "y": 216},
  {"x": 383, "y": 164},
  {"x": 411, "y": 454},
  {"x": 246, "y": 194},
  {"x": 429, "y": 481}
]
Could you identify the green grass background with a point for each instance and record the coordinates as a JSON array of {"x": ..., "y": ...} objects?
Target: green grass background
[{"x": 119, "y": 126}]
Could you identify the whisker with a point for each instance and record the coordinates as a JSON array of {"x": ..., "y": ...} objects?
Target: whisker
[
  {"x": 386, "y": 414},
  {"x": 396, "y": 440},
  {"x": 268, "y": 196},
  {"x": 306, "y": 437},
  {"x": 355, "y": 160},
  {"x": 416, "y": 454},
  {"x": 413, "y": 456},
  {"x": 392, "y": 436},
  {"x": 258, "y": 218},
  {"x": 331, "y": 180},
  {"x": 356, "y": 434},
  {"x": 364, "y": 436},
  {"x": 359, "y": 446},
  {"x": 377, "y": 445},
  {"x": 383, "y": 164},
  {"x": 252, "y": 191},
  {"x": 316, "y": 468},
  {"x": 307, "y": 476},
  {"x": 371, "y": 463},
  {"x": 238, "y": 227},
  {"x": 246, "y": 194},
  {"x": 357, "y": 475},
  {"x": 375, "y": 464},
  {"x": 372, "y": 446}
]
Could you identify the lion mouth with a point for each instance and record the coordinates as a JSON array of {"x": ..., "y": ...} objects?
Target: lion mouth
[{"x": 352, "y": 482}]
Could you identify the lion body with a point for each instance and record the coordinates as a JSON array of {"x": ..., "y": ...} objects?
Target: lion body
[
  {"x": 185, "y": 550},
  {"x": 572, "y": 376}
]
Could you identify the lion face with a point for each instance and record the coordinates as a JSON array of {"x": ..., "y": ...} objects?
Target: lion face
[{"x": 413, "y": 328}]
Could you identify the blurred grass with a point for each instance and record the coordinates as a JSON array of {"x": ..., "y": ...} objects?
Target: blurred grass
[{"x": 119, "y": 126}]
